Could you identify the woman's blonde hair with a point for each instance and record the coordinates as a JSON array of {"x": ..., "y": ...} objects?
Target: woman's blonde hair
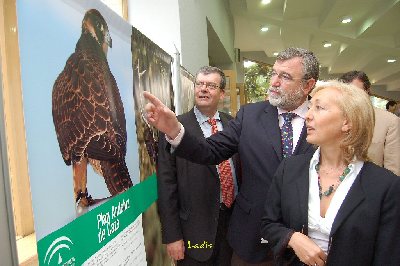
[{"x": 357, "y": 109}]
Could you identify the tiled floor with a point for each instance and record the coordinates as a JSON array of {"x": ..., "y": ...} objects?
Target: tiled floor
[{"x": 27, "y": 253}]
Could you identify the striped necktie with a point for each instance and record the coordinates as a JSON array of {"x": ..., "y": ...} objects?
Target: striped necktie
[{"x": 225, "y": 173}]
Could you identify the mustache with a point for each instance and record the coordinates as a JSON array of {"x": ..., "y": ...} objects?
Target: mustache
[{"x": 274, "y": 89}]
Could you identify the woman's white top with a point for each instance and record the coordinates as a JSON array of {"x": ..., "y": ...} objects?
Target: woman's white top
[{"x": 319, "y": 228}]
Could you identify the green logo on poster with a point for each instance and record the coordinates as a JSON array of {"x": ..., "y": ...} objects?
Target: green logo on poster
[{"x": 61, "y": 248}]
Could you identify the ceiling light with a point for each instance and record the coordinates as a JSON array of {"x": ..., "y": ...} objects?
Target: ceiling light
[
  {"x": 264, "y": 29},
  {"x": 327, "y": 44},
  {"x": 275, "y": 54},
  {"x": 346, "y": 20},
  {"x": 391, "y": 60},
  {"x": 265, "y": 2}
]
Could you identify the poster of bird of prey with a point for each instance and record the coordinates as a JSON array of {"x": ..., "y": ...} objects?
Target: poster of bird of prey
[
  {"x": 187, "y": 90},
  {"x": 79, "y": 110},
  {"x": 151, "y": 72}
]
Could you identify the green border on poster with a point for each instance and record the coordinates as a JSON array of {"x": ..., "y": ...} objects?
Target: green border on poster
[{"x": 77, "y": 241}]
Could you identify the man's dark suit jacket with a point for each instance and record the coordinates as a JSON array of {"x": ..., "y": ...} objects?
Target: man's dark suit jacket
[
  {"x": 189, "y": 195},
  {"x": 365, "y": 230},
  {"x": 255, "y": 135}
]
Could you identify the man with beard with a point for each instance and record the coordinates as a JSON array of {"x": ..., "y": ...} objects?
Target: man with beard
[{"x": 263, "y": 134}]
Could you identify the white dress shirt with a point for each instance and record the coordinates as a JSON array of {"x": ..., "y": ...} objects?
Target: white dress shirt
[{"x": 319, "y": 228}]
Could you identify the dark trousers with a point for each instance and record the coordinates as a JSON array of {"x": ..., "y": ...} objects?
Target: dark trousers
[
  {"x": 222, "y": 252},
  {"x": 237, "y": 261}
]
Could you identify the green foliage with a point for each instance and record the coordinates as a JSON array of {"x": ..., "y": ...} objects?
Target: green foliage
[{"x": 256, "y": 82}]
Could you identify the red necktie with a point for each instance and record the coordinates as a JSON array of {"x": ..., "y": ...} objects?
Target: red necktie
[{"x": 225, "y": 173}]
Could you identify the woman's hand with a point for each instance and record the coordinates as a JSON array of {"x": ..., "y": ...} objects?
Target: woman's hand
[{"x": 306, "y": 250}]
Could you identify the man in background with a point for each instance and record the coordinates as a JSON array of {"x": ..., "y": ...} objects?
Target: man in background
[
  {"x": 385, "y": 147},
  {"x": 391, "y": 106},
  {"x": 195, "y": 201},
  {"x": 263, "y": 134}
]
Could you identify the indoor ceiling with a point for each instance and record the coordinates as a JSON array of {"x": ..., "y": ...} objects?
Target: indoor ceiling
[{"x": 366, "y": 43}]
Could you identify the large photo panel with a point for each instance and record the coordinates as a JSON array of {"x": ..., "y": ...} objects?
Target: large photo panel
[{"x": 78, "y": 106}]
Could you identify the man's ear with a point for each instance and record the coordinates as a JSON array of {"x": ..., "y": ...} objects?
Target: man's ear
[
  {"x": 222, "y": 95},
  {"x": 309, "y": 85}
]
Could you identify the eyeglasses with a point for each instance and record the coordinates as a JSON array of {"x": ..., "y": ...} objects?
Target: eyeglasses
[
  {"x": 284, "y": 77},
  {"x": 209, "y": 85}
]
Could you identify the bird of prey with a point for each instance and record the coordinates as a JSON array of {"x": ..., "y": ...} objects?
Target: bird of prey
[{"x": 88, "y": 113}]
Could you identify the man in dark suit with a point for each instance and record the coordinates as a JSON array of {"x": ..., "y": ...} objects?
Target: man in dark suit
[
  {"x": 255, "y": 134},
  {"x": 194, "y": 216}
]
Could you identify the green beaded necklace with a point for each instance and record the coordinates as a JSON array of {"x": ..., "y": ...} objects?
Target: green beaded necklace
[{"x": 332, "y": 188}]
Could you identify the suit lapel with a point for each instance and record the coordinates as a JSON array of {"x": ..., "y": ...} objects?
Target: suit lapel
[
  {"x": 195, "y": 129},
  {"x": 224, "y": 119},
  {"x": 302, "y": 145},
  {"x": 303, "y": 185},
  {"x": 270, "y": 123},
  {"x": 354, "y": 197},
  {"x": 194, "y": 125}
]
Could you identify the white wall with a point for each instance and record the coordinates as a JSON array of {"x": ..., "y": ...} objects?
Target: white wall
[
  {"x": 193, "y": 34},
  {"x": 194, "y": 30},
  {"x": 183, "y": 23},
  {"x": 218, "y": 13},
  {"x": 158, "y": 20}
]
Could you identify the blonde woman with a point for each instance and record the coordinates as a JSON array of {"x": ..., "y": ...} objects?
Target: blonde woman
[{"x": 334, "y": 206}]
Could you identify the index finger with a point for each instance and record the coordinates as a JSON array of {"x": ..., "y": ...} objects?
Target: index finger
[{"x": 153, "y": 99}]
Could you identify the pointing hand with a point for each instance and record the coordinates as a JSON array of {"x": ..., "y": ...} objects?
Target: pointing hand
[{"x": 160, "y": 116}]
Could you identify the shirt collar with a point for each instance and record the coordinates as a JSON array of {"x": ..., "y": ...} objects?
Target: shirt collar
[
  {"x": 300, "y": 111},
  {"x": 201, "y": 118},
  {"x": 315, "y": 159}
]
